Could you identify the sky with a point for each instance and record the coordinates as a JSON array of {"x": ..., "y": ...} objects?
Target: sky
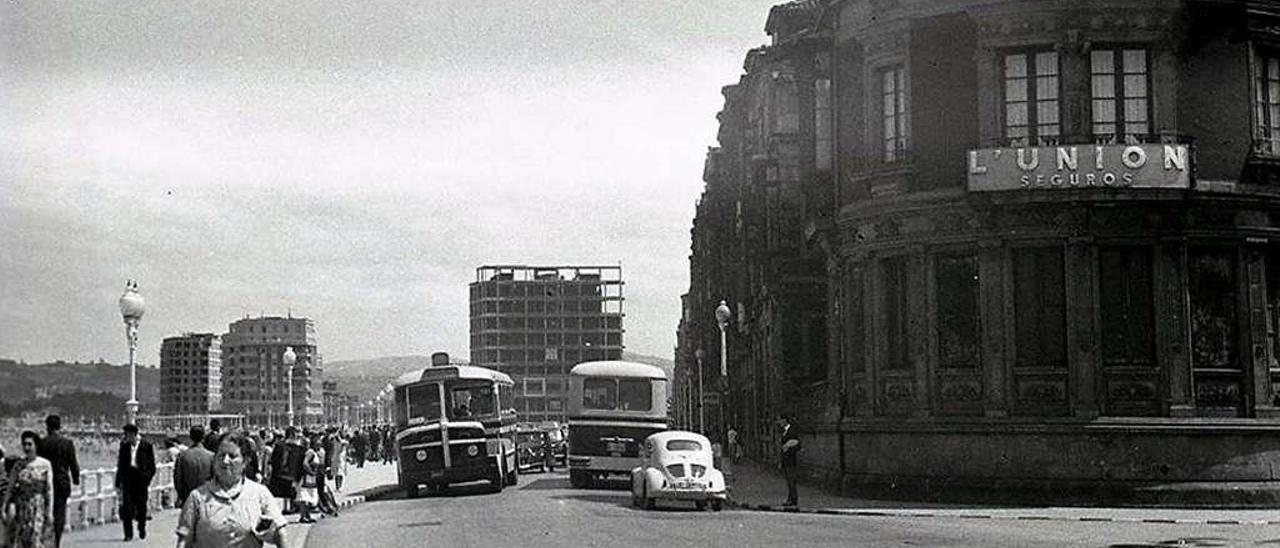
[{"x": 349, "y": 162}]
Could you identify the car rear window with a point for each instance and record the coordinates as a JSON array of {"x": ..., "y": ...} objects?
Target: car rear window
[{"x": 683, "y": 445}]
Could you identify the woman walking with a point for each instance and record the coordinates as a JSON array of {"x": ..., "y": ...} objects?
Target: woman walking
[
  {"x": 28, "y": 502},
  {"x": 230, "y": 510}
]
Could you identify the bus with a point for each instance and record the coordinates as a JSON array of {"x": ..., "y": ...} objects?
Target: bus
[
  {"x": 613, "y": 406},
  {"x": 454, "y": 424}
]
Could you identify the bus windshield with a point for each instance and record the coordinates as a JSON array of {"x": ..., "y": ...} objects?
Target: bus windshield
[
  {"x": 471, "y": 400},
  {"x": 617, "y": 394},
  {"x": 423, "y": 403}
]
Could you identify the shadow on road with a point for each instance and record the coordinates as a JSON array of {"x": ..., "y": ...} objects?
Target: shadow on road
[
  {"x": 458, "y": 490},
  {"x": 623, "y": 500},
  {"x": 1195, "y": 542}
]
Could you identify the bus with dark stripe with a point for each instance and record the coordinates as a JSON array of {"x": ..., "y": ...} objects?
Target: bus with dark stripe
[
  {"x": 454, "y": 424},
  {"x": 613, "y": 406}
]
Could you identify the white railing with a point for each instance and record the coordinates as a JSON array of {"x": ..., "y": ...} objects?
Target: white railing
[{"x": 96, "y": 501}]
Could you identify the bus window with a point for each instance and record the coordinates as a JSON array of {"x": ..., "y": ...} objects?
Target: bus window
[
  {"x": 471, "y": 401},
  {"x": 634, "y": 395},
  {"x": 599, "y": 393},
  {"x": 424, "y": 403}
]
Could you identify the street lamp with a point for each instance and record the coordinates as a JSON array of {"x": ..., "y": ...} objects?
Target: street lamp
[
  {"x": 722, "y": 317},
  {"x": 290, "y": 358},
  {"x": 132, "y": 306},
  {"x": 699, "y": 354}
]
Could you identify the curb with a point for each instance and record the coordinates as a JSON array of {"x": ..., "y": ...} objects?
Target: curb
[{"x": 1029, "y": 517}]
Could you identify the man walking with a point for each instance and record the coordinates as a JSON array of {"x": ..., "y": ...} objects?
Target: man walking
[
  {"x": 788, "y": 458},
  {"x": 61, "y": 454},
  {"x": 193, "y": 467},
  {"x": 135, "y": 467}
]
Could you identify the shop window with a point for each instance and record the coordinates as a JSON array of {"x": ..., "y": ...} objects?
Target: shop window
[
  {"x": 959, "y": 323},
  {"x": 895, "y": 313},
  {"x": 1266, "y": 104},
  {"x": 1215, "y": 363},
  {"x": 893, "y": 113},
  {"x": 1124, "y": 284},
  {"x": 1031, "y": 103},
  {"x": 1121, "y": 100},
  {"x": 1039, "y": 308}
]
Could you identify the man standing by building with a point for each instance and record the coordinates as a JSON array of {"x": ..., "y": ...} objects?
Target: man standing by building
[
  {"x": 193, "y": 466},
  {"x": 135, "y": 467},
  {"x": 61, "y": 454},
  {"x": 789, "y": 459}
]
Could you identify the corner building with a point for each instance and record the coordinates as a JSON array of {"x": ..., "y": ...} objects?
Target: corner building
[
  {"x": 535, "y": 323},
  {"x": 999, "y": 246}
]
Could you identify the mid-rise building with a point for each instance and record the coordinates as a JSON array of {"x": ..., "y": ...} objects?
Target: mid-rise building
[
  {"x": 256, "y": 378},
  {"x": 191, "y": 374},
  {"x": 535, "y": 323}
]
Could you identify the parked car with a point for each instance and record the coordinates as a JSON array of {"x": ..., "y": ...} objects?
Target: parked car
[
  {"x": 531, "y": 446},
  {"x": 677, "y": 465}
]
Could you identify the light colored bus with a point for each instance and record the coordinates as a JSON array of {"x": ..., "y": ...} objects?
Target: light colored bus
[
  {"x": 454, "y": 424},
  {"x": 613, "y": 406}
]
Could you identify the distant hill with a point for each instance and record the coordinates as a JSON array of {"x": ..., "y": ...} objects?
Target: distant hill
[
  {"x": 20, "y": 383},
  {"x": 364, "y": 378}
]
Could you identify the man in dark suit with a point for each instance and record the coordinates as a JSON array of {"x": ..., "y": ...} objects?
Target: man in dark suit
[
  {"x": 193, "y": 467},
  {"x": 214, "y": 436},
  {"x": 134, "y": 469},
  {"x": 61, "y": 454},
  {"x": 789, "y": 454}
]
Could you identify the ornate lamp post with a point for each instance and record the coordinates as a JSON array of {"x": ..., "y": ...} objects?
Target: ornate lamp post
[
  {"x": 290, "y": 358},
  {"x": 132, "y": 306},
  {"x": 722, "y": 317}
]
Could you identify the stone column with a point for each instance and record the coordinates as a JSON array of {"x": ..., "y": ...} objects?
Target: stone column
[
  {"x": 1258, "y": 363},
  {"x": 1173, "y": 334},
  {"x": 1083, "y": 355},
  {"x": 920, "y": 331},
  {"x": 993, "y": 261}
]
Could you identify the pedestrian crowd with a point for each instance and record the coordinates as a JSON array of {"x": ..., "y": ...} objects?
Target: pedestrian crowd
[{"x": 233, "y": 487}]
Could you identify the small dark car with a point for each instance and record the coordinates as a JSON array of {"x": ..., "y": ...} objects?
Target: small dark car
[{"x": 531, "y": 450}]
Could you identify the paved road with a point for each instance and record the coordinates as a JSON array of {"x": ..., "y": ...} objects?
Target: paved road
[{"x": 545, "y": 511}]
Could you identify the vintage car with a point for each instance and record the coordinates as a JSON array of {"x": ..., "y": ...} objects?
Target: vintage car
[
  {"x": 677, "y": 465},
  {"x": 559, "y": 442},
  {"x": 531, "y": 447}
]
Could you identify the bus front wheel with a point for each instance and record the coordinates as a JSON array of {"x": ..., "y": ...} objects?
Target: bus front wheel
[{"x": 411, "y": 491}]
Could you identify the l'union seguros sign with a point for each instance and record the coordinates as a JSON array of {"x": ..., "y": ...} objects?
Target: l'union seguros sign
[{"x": 1079, "y": 166}]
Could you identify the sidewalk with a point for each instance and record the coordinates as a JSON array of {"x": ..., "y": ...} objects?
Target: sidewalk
[
  {"x": 160, "y": 529},
  {"x": 759, "y": 487}
]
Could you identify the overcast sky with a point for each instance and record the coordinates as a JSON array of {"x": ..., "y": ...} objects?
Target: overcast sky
[{"x": 353, "y": 162}]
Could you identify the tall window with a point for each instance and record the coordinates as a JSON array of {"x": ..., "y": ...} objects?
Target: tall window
[
  {"x": 1031, "y": 98},
  {"x": 893, "y": 112},
  {"x": 1125, "y": 282},
  {"x": 1121, "y": 105},
  {"x": 959, "y": 326},
  {"x": 1266, "y": 101},
  {"x": 822, "y": 123},
  {"x": 1039, "y": 308},
  {"x": 895, "y": 312}
]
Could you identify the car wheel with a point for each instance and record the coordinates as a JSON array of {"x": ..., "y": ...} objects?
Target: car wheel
[
  {"x": 579, "y": 479},
  {"x": 512, "y": 477},
  {"x": 649, "y": 503},
  {"x": 717, "y": 505},
  {"x": 411, "y": 491},
  {"x": 702, "y": 505},
  {"x": 499, "y": 479}
]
